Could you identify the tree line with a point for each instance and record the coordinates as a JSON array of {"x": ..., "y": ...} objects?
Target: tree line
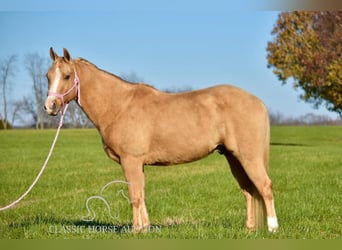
[
  {"x": 31, "y": 107},
  {"x": 309, "y": 119}
]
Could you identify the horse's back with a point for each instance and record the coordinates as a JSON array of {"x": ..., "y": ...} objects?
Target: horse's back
[{"x": 219, "y": 102}]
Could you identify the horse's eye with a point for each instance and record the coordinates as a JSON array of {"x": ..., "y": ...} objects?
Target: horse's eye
[{"x": 67, "y": 77}]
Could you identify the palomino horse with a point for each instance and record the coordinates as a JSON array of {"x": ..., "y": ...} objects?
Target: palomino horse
[{"x": 141, "y": 126}]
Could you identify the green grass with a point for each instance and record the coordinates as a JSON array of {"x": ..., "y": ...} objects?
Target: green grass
[{"x": 200, "y": 200}]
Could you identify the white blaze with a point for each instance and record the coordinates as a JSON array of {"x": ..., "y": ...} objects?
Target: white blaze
[
  {"x": 50, "y": 100},
  {"x": 55, "y": 81}
]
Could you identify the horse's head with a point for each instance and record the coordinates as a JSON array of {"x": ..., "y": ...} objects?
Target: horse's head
[{"x": 63, "y": 82}]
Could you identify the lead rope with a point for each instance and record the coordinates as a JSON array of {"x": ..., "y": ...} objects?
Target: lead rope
[{"x": 64, "y": 109}]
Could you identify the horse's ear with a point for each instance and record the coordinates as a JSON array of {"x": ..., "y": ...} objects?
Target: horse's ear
[
  {"x": 67, "y": 56},
  {"x": 53, "y": 54}
]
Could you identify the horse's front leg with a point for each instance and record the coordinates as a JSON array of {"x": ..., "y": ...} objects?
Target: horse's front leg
[{"x": 133, "y": 170}]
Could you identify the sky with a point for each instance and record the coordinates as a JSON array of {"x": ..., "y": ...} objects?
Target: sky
[{"x": 169, "y": 44}]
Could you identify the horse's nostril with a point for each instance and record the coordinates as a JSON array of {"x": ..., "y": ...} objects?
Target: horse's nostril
[{"x": 44, "y": 107}]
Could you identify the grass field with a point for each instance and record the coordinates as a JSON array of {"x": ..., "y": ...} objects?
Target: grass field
[{"x": 200, "y": 200}]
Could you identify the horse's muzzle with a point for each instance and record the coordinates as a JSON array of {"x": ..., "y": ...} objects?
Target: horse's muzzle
[{"x": 52, "y": 106}]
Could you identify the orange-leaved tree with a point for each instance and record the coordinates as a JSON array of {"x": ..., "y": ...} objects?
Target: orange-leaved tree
[{"x": 307, "y": 50}]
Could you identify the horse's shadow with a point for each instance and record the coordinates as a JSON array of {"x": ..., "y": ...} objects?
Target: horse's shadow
[{"x": 288, "y": 144}]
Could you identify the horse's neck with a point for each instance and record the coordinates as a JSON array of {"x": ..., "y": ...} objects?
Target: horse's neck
[{"x": 102, "y": 95}]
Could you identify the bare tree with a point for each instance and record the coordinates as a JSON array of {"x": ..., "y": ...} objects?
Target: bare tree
[
  {"x": 28, "y": 106},
  {"x": 37, "y": 68},
  {"x": 17, "y": 112},
  {"x": 7, "y": 70}
]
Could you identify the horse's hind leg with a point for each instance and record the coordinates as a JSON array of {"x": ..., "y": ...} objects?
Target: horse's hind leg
[
  {"x": 258, "y": 175},
  {"x": 257, "y": 188},
  {"x": 246, "y": 186},
  {"x": 133, "y": 170}
]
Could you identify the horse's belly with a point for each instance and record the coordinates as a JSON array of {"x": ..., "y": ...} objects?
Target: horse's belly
[{"x": 179, "y": 150}]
